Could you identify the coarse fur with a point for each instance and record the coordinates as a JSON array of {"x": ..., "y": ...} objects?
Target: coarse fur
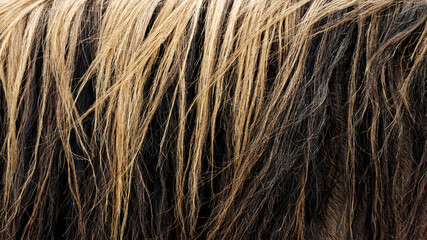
[{"x": 213, "y": 119}]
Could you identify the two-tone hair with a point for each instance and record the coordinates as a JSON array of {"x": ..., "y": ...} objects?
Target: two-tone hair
[{"x": 213, "y": 119}]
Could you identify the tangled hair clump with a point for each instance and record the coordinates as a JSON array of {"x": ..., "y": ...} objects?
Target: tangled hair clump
[{"x": 213, "y": 119}]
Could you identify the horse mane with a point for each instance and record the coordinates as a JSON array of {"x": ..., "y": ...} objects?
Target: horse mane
[{"x": 213, "y": 119}]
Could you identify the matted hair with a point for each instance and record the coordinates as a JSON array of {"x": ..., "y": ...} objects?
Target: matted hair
[{"x": 213, "y": 119}]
